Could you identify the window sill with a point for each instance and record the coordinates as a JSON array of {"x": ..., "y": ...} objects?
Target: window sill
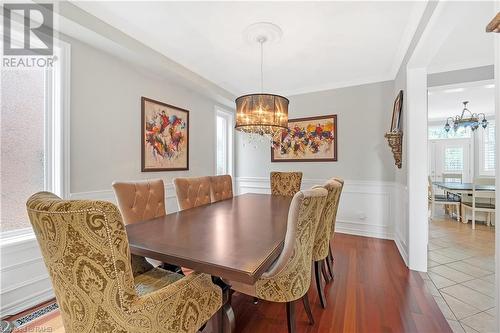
[{"x": 19, "y": 236}]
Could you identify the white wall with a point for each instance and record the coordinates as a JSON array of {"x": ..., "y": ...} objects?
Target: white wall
[{"x": 105, "y": 146}]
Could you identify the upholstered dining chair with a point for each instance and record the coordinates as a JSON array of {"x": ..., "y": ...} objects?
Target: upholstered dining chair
[
  {"x": 139, "y": 201},
  {"x": 289, "y": 277},
  {"x": 324, "y": 233},
  {"x": 221, "y": 187},
  {"x": 85, "y": 248},
  {"x": 330, "y": 255},
  {"x": 192, "y": 192},
  {"x": 285, "y": 183}
]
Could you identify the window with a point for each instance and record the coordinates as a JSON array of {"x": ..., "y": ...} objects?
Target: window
[
  {"x": 438, "y": 132},
  {"x": 454, "y": 159},
  {"x": 33, "y": 137},
  {"x": 224, "y": 141},
  {"x": 487, "y": 150}
]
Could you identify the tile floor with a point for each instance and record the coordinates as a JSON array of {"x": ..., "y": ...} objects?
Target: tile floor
[{"x": 461, "y": 274}]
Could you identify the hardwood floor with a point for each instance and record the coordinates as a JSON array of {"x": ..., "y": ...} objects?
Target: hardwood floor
[{"x": 373, "y": 292}]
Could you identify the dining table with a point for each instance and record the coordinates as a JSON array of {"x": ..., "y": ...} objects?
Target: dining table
[
  {"x": 464, "y": 190},
  {"x": 235, "y": 239}
]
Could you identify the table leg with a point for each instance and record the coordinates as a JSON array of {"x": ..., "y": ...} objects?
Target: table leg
[{"x": 228, "y": 321}]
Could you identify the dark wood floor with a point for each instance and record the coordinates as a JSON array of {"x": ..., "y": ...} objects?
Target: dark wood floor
[{"x": 373, "y": 292}]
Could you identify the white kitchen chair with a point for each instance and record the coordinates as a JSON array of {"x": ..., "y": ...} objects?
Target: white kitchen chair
[
  {"x": 481, "y": 206},
  {"x": 440, "y": 199}
]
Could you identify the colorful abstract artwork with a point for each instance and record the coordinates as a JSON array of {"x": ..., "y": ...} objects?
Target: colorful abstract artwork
[
  {"x": 311, "y": 139},
  {"x": 165, "y": 136}
]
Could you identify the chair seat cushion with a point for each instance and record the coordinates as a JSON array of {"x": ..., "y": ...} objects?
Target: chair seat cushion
[
  {"x": 480, "y": 205},
  {"x": 441, "y": 197},
  {"x": 154, "y": 279}
]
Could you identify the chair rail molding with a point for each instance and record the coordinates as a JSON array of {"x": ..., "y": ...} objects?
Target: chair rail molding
[{"x": 367, "y": 208}]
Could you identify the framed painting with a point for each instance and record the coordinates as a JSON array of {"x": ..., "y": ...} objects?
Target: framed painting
[
  {"x": 312, "y": 139},
  {"x": 396, "y": 113},
  {"x": 165, "y": 136}
]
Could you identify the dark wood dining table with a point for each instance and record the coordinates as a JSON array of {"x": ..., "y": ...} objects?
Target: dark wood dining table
[{"x": 235, "y": 239}]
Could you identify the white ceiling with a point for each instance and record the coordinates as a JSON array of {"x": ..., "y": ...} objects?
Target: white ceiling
[
  {"x": 446, "y": 101},
  {"x": 324, "y": 45},
  {"x": 468, "y": 45}
]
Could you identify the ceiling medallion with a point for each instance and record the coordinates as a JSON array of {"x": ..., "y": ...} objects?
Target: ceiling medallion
[{"x": 262, "y": 113}]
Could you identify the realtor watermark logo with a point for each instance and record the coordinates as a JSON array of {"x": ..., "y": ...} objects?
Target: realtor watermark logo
[{"x": 34, "y": 47}]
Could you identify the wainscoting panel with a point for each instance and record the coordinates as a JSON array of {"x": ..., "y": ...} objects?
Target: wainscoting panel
[
  {"x": 24, "y": 279},
  {"x": 365, "y": 208}
]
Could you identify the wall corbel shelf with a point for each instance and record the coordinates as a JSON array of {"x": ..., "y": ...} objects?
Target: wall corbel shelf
[{"x": 395, "y": 140}]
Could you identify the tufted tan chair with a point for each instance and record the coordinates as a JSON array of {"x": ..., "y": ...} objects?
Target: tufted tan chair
[
  {"x": 323, "y": 235},
  {"x": 221, "y": 187},
  {"x": 192, "y": 192},
  {"x": 140, "y": 201},
  {"x": 285, "y": 183},
  {"x": 85, "y": 248},
  {"x": 289, "y": 277}
]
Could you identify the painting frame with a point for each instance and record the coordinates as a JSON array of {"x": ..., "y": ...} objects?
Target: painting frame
[
  {"x": 397, "y": 110},
  {"x": 144, "y": 168},
  {"x": 334, "y": 158}
]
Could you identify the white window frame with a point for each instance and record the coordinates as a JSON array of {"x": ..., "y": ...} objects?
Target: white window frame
[
  {"x": 229, "y": 116},
  {"x": 56, "y": 133},
  {"x": 481, "y": 169}
]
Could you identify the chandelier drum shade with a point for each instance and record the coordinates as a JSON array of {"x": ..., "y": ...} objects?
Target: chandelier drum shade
[
  {"x": 263, "y": 114},
  {"x": 466, "y": 119}
]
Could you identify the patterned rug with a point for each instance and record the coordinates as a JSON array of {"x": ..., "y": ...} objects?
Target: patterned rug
[{"x": 34, "y": 315}]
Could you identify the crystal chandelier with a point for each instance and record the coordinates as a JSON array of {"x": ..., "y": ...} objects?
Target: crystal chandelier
[
  {"x": 262, "y": 114},
  {"x": 470, "y": 119}
]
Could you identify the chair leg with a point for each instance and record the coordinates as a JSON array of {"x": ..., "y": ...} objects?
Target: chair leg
[
  {"x": 319, "y": 285},
  {"x": 324, "y": 271},
  {"x": 290, "y": 317},
  {"x": 458, "y": 213},
  {"x": 307, "y": 307},
  {"x": 330, "y": 268},
  {"x": 473, "y": 219},
  {"x": 330, "y": 254},
  {"x": 255, "y": 300}
]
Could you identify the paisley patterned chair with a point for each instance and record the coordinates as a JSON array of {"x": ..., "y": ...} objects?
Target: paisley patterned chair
[
  {"x": 330, "y": 254},
  {"x": 140, "y": 201},
  {"x": 289, "y": 278},
  {"x": 221, "y": 187},
  {"x": 192, "y": 192},
  {"x": 285, "y": 183},
  {"x": 324, "y": 232},
  {"x": 85, "y": 248}
]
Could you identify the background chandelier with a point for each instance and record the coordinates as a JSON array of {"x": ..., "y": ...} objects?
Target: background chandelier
[
  {"x": 465, "y": 120},
  {"x": 263, "y": 114}
]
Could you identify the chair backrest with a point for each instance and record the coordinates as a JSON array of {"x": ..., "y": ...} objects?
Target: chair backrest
[
  {"x": 293, "y": 266},
  {"x": 192, "y": 192},
  {"x": 479, "y": 193},
  {"x": 452, "y": 177},
  {"x": 221, "y": 187},
  {"x": 430, "y": 187},
  {"x": 86, "y": 251},
  {"x": 327, "y": 219},
  {"x": 141, "y": 200},
  {"x": 285, "y": 183}
]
